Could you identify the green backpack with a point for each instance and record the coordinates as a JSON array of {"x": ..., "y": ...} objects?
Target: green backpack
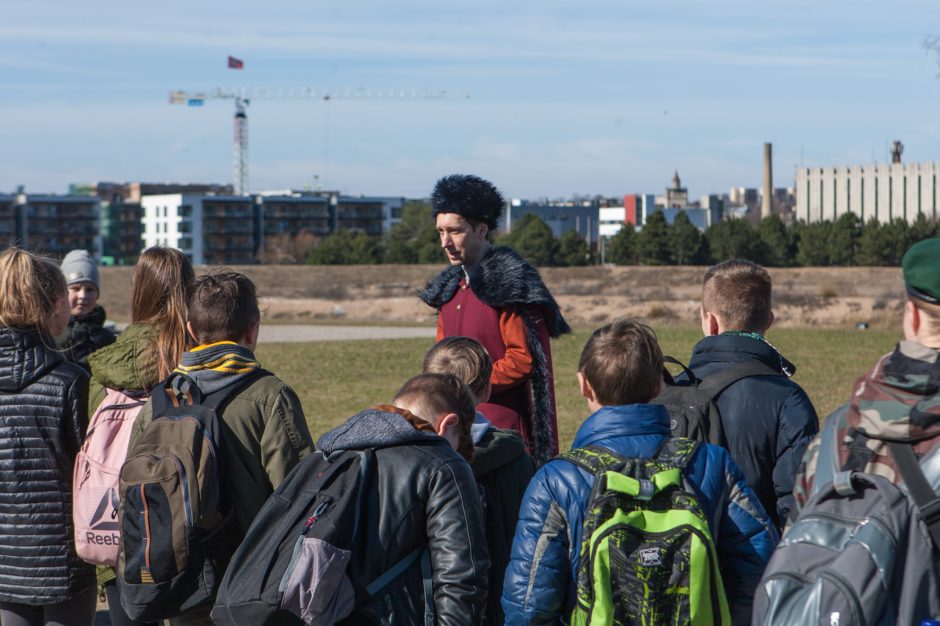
[{"x": 647, "y": 556}]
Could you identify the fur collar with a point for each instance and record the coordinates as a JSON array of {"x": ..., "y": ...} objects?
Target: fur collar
[{"x": 501, "y": 278}]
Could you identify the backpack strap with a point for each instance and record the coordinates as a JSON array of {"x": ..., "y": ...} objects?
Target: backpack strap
[
  {"x": 594, "y": 459},
  {"x": 713, "y": 385},
  {"x": 685, "y": 370},
  {"x": 423, "y": 553},
  {"x": 926, "y": 499},
  {"x": 827, "y": 461},
  {"x": 676, "y": 452}
]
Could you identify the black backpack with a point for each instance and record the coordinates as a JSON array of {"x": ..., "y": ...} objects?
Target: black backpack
[
  {"x": 177, "y": 529},
  {"x": 691, "y": 403},
  {"x": 291, "y": 567}
]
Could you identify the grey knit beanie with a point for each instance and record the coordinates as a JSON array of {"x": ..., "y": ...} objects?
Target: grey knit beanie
[{"x": 79, "y": 266}]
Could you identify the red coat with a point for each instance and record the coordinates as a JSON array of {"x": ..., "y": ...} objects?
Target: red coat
[
  {"x": 506, "y": 307},
  {"x": 503, "y": 333}
]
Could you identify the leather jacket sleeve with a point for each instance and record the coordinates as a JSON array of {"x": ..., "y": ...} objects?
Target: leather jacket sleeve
[{"x": 459, "y": 560}]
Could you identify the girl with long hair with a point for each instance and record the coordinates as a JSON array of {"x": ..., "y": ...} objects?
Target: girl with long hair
[{"x": 145, "y": 353}]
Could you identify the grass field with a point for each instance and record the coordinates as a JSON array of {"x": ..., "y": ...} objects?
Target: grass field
[{"x": 337, "y": 379}]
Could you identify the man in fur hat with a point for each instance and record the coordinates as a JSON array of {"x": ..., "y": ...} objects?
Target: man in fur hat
[{"x": 495, "y": 296}]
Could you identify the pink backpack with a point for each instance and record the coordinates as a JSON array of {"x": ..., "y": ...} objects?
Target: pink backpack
[{"x": 95, "y": 480}]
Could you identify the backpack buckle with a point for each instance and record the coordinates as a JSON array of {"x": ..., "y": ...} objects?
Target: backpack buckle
[
  {"x": 842, "y": 483},
  {"x": 647, "y": 490}
]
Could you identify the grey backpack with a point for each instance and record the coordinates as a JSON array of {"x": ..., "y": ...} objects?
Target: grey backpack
[{"x": 863, "y": 550}]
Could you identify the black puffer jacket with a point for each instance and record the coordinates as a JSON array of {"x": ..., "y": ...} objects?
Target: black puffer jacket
[
  {"x": 43, "y": 417},
  {"x": 768, "y": 420},
  {"x": 423, "y": 492}
]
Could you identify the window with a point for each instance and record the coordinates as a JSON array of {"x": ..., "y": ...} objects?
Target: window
[
  {"x": 186, "y": 243},
  {"x": 186, "y": 210}
]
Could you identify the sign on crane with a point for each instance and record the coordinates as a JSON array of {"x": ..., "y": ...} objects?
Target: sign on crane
[{"x": 243, "y": 97}]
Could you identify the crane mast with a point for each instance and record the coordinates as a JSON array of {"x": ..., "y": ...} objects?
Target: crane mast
[{"x": 244, "y": 95}]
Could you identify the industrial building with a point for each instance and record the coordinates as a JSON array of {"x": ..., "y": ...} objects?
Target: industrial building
[
  {"x": 560, "y": 215},
  {"x": 886, "y": 192}
]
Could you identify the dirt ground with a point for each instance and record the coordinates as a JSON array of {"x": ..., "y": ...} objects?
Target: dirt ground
[{"x": 382, "y": 294}]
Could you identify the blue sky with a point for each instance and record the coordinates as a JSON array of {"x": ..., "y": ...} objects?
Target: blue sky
[{"x": 565, "y": 97}]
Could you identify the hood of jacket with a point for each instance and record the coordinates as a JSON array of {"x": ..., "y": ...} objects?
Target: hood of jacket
[
  {"x": 378, "y": 427},
  {"x": 496, "y": 448},
  {"x": 609, "y": 424},
  {"x": 130, "y": 362},
  {"x": 25, "y": 355},
  {"x": 729, "y": 348},
  {"x": 898, "y": 399},
  {"x": 215, "y": 366}
]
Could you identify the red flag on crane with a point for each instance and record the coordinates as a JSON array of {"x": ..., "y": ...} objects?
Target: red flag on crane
[{"x": 235, "y": 64}]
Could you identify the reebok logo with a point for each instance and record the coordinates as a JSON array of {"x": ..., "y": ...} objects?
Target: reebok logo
[
  {"x": 650, "y": 557},
  {"x": 105, "y": 517}
]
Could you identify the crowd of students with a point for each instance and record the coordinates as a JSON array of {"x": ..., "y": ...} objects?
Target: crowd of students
[{"x": 503, "y": 537}]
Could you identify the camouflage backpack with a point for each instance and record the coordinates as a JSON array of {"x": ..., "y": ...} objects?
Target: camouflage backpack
[{"x": 647, "y": 556}]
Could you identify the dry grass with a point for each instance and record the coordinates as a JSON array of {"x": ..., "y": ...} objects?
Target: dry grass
[{"x": 336, "y": 379}]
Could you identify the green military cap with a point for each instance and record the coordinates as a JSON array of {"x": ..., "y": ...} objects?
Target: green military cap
[{"x": 922, "y": 270}]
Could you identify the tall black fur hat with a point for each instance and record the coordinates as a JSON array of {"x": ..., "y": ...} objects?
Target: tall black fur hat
[{"x": 469, "y": 196}]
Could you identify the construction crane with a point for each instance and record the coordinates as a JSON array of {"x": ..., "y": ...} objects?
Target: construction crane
[{"x": 243, "y": 97}]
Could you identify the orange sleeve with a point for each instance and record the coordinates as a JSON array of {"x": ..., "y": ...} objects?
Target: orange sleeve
[
  {"x": 516, "y": 365},
  {"x": 440, "y": 327}
]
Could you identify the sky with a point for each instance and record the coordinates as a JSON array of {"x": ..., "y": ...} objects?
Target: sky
[{"x": 565, "y": 98}]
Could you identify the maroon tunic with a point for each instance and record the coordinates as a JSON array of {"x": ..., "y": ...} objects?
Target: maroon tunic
[{"x": 465, "y": 314}]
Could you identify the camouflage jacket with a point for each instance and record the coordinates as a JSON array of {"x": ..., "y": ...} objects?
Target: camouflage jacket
[{"x": 898, "y": 400}]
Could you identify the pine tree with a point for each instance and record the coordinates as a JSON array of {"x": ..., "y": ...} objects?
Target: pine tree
[
  {"x": 653, "y": 241},
  {"x": 573, "y": 250},
  {"x": 621, "y": 249},
  {"x": 776, "y": 241},
  {"x": 686, "y": 243},
  {"x": 734, "y": 239},
  {"x": 533, "y": 238}
]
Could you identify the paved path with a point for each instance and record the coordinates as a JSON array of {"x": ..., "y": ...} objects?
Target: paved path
[{"x": 309, "y": 332}]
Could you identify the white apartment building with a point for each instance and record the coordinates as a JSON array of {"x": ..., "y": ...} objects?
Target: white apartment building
[
  {"x": 886, "y": 192},
  {"x": 206, "y": 228}
]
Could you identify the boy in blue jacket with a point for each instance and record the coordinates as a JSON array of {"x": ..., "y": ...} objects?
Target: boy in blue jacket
[{"x": 619, "y": 372}]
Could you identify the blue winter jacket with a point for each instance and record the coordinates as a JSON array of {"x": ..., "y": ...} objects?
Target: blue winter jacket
[
  {"x": 768, "y": 420},
  {"x": 540, "y": 582}
]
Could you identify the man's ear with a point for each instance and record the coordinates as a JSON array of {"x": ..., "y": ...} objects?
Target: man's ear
[
  {"x": 586, "y": 390},
  {"x": 446, "y": 423},
  {"x": 250, "y": 340},
  {"x": 710, "y": 325},
  {"x": 189, "y": 329},
  {"x": 770, "y": 321},
  {"x": 483, "y": 229}
]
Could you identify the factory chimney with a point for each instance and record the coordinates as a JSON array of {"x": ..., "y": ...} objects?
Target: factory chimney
[{"x": 766, "y": 205}]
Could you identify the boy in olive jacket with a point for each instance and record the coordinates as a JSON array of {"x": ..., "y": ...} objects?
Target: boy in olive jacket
[
  {"x": 264, "y": 431},
  {"x": 500, "y": 464}
]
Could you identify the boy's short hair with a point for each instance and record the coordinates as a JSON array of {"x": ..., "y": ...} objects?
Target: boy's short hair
[
  {"x": 439, "y": 394},
  {"x": 464, "y": 357},
  {"x": 739, "y": 293},
  {"x": 623, "y": 363},
  {"x": 222, "y": 307}
]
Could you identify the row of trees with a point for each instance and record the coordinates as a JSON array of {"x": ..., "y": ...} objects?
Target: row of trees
[{"x": 846, "y": 241}]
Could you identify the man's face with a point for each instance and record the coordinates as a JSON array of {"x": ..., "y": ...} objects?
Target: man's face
[
  {"x": 83, "y": 297},
  {"x": 462, "y": 242}
]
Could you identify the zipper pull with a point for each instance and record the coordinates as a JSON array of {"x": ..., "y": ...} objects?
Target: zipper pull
[{"x": 317, "y": 512}]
